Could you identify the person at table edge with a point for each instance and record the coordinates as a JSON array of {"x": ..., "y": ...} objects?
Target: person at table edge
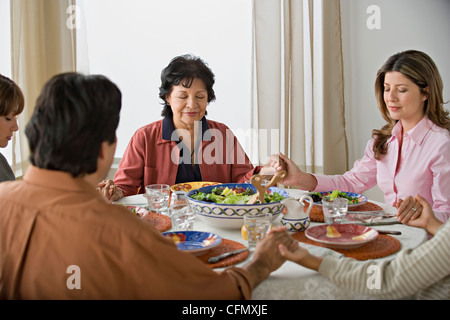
[
  {"x": 411, "y": 153},
  {"x": 419, "y": 273},
  {"x": 55, "y": 226},
  {"x": 184, "y": 146},
  {"x": 11, "y": 105}
]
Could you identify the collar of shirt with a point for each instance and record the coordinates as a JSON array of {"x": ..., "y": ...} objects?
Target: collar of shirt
[
  {"x": 57, "y": 180},
  {"x": 416, "y": 134},
  {"x": 168, "y": 130}
]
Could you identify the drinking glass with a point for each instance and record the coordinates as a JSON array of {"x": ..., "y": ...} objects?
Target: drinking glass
[
  {"x": 334, "y": 210},
  {"x": 257, "y": 227},
  {"x": 158, "y": 197},
  {"x": 181, "y": 212}
]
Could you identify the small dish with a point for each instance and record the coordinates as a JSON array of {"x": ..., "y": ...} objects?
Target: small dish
[
  {"x": 362, "y": 199},
  {"x": 342, "y": 236},
  {"x": 188, "y": 186},
  {"x": 194, "y": 242}
]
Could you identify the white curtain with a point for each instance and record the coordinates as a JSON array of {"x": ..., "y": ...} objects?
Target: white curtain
[
  {"x": 42, "y": 44},
  {"x": 298, "y": 83}
]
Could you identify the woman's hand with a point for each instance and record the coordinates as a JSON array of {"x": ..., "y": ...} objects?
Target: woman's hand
[
  {"x": 109, "y": 190},
  {"x": 422, "y": 217},
  {"x": 295, "y": 176},
  {"x": 408, "y": 209},
  {"x": 300, "y": 255}
]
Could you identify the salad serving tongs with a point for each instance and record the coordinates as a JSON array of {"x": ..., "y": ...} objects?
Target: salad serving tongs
[{"x": 257, "y": 181}]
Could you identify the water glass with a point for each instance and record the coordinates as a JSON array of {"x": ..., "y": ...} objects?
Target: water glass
[
  {"x": 158, "y": 197},
  {"x": 181, "y": 212},
  {"x": 334, "y": 210},
  {"x": 258, "y": 226}
]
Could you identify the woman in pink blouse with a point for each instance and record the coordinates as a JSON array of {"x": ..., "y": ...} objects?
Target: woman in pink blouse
[{"x": 408, "y": 155}]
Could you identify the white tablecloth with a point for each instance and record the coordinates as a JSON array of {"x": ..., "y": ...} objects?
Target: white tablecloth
[{"x": 292, "y": 281}]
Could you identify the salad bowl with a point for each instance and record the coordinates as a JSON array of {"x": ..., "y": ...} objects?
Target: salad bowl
[{"x": 228, "y": 215}]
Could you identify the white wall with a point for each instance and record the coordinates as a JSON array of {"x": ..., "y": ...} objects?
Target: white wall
[
  {"x": 132, "y": 41},
  {"x": 405, "y": 24}
]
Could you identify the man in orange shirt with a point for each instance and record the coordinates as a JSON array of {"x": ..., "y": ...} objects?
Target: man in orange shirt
[{"x": 60, "y": 238}]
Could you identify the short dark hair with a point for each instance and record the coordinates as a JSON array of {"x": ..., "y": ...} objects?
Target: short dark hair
[
  {"x": 11, "y": 97},
  {"x": 74, "y": 115},
  {"x": 184, "y": 67}
]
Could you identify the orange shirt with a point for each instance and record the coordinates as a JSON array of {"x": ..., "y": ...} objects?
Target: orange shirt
[
  {"x": 50, "y": 222},
  {"x": 152, "y": 157}
]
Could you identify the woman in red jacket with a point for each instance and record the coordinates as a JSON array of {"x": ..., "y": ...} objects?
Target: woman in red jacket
[{"x": 184, "y": 146}]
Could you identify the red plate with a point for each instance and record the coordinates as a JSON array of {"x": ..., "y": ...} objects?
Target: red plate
[
  {"x": 159, "y": 221},
  {"x": 341, "y": 236}
]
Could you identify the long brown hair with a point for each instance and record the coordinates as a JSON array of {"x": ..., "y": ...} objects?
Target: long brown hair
[
  {"x": 421, "y": 70},
  {"x": 11, "y": 97}
]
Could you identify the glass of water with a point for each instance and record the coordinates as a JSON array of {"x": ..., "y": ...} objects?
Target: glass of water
[
  {"x": 158, "y": 197},
  {"x": 258, "y": 226},
  {"x": 181, "y": 212},
  {"x": 334, "y": 210}
]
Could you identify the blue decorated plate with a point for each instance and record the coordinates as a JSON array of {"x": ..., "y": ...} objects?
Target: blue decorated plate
[
  {"x": 195, "y": 242},
  {"x": 359, "y": 197}
]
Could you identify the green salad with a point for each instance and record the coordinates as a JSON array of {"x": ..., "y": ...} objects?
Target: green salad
[
  {"x": 225, "y": 195},
  {"x": 317, "y": 196}
]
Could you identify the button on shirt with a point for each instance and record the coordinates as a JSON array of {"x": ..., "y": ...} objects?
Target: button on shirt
[{"x": 423, "y": 168}]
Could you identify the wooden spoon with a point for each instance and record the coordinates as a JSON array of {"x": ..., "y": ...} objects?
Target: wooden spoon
[{"x": 257, "y": 179}]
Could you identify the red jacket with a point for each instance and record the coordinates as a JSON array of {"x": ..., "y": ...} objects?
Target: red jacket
[{"x": 151, "y": 157}]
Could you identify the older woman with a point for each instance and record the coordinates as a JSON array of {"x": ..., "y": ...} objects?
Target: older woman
[
  {"x": 411, "y": 153},
  {"x": 11, "y": 104},
  {"x": 184, "y": 146}
]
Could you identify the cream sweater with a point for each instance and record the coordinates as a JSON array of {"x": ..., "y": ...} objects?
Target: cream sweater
[{"x": 420, "y": 273}]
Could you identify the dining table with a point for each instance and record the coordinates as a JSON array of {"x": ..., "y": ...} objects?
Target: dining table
[{"x": 292, "y": 281}]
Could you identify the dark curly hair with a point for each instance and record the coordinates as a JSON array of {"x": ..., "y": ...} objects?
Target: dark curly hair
[{"x": 184, "y": 68}]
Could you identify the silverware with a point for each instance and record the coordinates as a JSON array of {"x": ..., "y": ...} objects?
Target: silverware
[
  {"x": 377, "y": 213},
  {"x": 225, "y": 255},
  {"x": 393, "y": 232}
]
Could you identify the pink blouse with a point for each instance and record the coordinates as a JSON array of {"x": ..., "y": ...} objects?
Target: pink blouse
[{"x": 424, "y": 168}]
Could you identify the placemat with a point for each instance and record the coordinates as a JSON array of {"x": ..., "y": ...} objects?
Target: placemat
[
  {"x": 316, "y": 214},
  {"x": 382, "y": 247},
  {"x": 159, "y": 221},
  {"x": 225, "y": 246}
]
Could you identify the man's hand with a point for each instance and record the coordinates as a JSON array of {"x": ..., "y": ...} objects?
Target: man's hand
[{"x": 109, "y": 190}]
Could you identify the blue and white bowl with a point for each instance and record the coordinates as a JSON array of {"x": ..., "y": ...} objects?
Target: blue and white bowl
[{"x": 232, "y": 215}]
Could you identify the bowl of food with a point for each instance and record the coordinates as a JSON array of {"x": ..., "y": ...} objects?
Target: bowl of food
[
  {"x": 354, "y": 199},
  {"x": 225, "y": 205}
]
